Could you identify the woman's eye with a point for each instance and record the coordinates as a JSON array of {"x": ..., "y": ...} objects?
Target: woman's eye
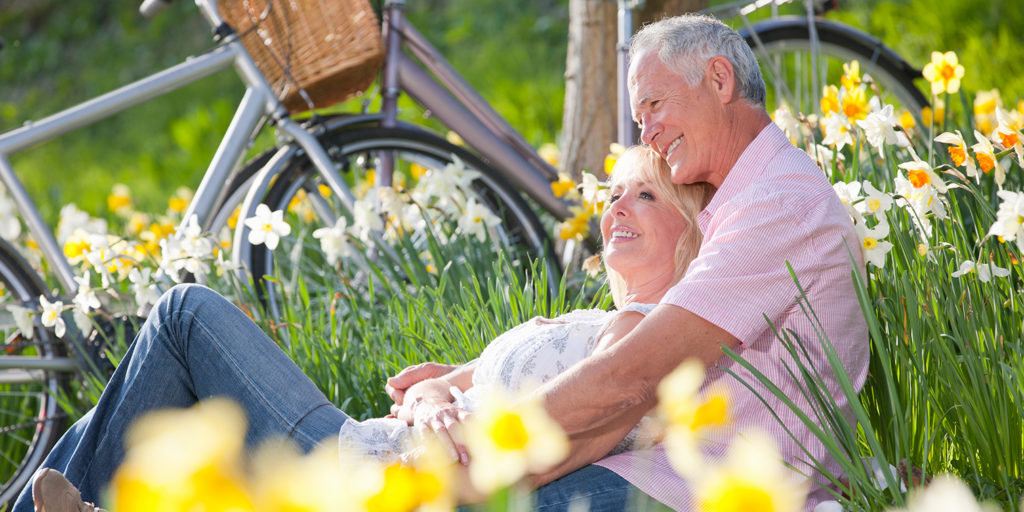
[
  {"x": 614, "y": 197},
  {"x": 646, "y": 195}
]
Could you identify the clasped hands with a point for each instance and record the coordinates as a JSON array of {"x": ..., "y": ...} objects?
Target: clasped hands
[{"x": 422, "y": 398}]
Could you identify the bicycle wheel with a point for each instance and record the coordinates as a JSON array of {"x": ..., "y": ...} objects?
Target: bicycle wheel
[
  {"x": 795, "y": 76},
  {"x": 30, "y": 419},
  {"x": 357, "y": 152}
]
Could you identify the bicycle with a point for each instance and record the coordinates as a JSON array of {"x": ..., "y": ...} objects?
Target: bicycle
[{"x": 306, "y": 161}]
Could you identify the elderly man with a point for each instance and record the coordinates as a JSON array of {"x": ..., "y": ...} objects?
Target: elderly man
[{"x": 698, "y": 95}]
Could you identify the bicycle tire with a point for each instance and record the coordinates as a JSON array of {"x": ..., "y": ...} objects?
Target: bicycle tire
[
  {"x": 353, "y": 148},
  {"x": 788, "y": 38},
  {"x": 31, "y": 420}
]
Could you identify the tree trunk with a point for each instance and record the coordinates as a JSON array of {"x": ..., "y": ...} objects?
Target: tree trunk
[{"x": 589, "y": 116}]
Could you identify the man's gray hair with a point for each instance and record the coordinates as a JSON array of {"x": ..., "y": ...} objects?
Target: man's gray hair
[{"x": 686, "y": 43}]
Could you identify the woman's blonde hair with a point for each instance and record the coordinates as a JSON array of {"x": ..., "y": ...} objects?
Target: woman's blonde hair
[{"x": 688, "y": 200}]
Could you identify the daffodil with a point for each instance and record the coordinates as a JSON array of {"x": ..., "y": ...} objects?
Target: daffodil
[
  {"x": 158, "y": 475},
  {"x": 752, "y": 478},
  {"x": 615, "y": 150},
  {"x": 933, "y": 115},
  {"x": 23, "y": 320},
  {"x": 907, "y": 121},
  {"x": 921, "y": 175},
  {"x": 849, "y": 193},
  {"x": 945, "y": 493},
  {"x": 180, "y": 200},
  {"x": 944, "y": 72},
  {"x": 10, "y": 227},
  {"x": 508, "y": 439},
  {"x": 592, "y": 265},
  {"x": 85, "y": 299},
  {"x": 1009, "y": 135},
  {"x": 687, "y": 412},
  {"x": 334, "y": 241},
  {"x": 267, "y": 227},
  {"x": 985, "y": 271},
  {"x": 837, "y": 132},
  {"x": 986, "y": 155},
  {"x": 785, "y": 120},
  {"x": 824, "y": 156},
  {"x": 563, "y": 186},
  {"x": 985, "y": 105},
  {"x": 476, "y": 219},
  {"x": 1009, "y": 224},
  {"x": 575, "y": 227},
  {"x": 144, "y": 289},
  {"x": 920, "y": 195},
  {"x": 876, "y": 202},
  {"x": 595, "y": 193},
  {"x": 854, "y": 103},
  {"x": 879, "y": 129},
  {"x": 550, "y": 153},
  {"x": 830, "y": 100},
  {"x": 365, "y": 219},
  {"x": 958, "y": 151},
  {"x": 874, "y": 248},
  {"x": 51, "y": 315},
  {"x": 851, "y": 75},
  {"x": 119, "y": 200}
]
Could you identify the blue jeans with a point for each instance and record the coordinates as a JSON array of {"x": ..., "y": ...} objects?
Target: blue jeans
[{"x": 196, "y": 345}]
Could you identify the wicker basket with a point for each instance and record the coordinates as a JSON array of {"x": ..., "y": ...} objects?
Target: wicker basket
[{"x": 331, "y": 49}]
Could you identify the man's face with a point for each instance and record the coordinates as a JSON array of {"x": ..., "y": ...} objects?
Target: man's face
[{"x": 677, "y": 120}]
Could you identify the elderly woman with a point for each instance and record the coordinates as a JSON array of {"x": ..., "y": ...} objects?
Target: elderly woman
[{"x": 197, "y": 345}]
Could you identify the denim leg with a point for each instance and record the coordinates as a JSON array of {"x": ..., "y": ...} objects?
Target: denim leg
[
  {"x": 592, "y": 488},
  {"x": 194, "y": 345}
]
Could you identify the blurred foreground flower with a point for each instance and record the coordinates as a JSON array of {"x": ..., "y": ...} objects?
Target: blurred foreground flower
[
  {"x": 945, "y": 493},
  {"x": 687, "y": 414},
  {"x": 752, "y": 478},
  {"x": 509, "y": 439},
  {"x": 184, "y": 460}
]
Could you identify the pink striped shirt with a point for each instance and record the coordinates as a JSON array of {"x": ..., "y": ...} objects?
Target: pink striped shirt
[{"x": 774, "y": 206}]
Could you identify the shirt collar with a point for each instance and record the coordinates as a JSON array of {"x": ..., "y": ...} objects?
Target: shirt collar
[{"x": 746, "y": 170}]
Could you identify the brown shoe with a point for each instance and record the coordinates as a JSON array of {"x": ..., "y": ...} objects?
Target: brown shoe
[{"x": 51, "y": 492}]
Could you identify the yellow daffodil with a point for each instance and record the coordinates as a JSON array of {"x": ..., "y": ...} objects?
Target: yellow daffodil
[
  {"x": 564, "y": 185},
  {"x": 615, "y": 150},
  {"x": 986, "y": 155},
  {"x": 985, "y": 105},
  {"x": 454, "y": 138},
  {"x": 179, "y": 202},
  {"x": 1008, "y": 134},
  {"x": 935, "y": 114},
  {"x": 752, "y": 478},
  {"x": 159, "y": 475},
  {"x": 302, "y": 207},
  {"x": 958, "y": 151},
  {"x": 576, "y": 227},
  {"x": 907, "y": 121},
  {"x": 325, "y": 191},
  {"x": 120, "y": 200},
  {"x": 851, "y": 75},
  {"x": 687, "y": 413},
  {"x": 550, "y": 153},
  {"x": 509, "y": 438},
  {"x": 284, "y": 479},
  {"x": 77, "y": 246},
  {"x": 855, "y": 103},
  {"x": 830, "y": 100},
  {"x": 944, "y": 72}
]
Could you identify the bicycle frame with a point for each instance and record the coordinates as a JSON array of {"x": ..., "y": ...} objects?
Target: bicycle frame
[
  {"x": 452, "y": 100},
  {"x": 259, "y": 103}
]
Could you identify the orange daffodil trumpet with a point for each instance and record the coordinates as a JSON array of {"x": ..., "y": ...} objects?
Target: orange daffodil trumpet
[
  {"x": 944, "y": 73},
  {"x": 1008, "y": 134},
  {"x": 986, "y": 155},
  {"x": 958, "y": 152}
]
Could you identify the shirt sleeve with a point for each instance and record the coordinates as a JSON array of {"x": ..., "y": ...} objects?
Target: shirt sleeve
[{"x": 740, "y": 276}]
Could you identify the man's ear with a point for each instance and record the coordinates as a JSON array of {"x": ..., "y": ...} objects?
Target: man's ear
[{"x": 723, "y": 80}]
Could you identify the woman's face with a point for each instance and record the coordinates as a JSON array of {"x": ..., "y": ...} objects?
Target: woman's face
[{"x": 640, "y": 229}]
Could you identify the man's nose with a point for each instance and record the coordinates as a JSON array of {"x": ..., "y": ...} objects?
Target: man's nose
[{"x": 649, "y": 130}]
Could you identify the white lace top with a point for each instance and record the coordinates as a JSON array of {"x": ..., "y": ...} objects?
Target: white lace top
[{"x": 518, "y": 360}]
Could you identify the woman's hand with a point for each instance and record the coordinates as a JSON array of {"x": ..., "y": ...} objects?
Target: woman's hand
[
  {"x": 397, "y": 386},
  {"x": 444, "y": 420}
]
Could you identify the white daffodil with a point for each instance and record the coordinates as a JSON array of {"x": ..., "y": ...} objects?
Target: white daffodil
[
  {"x": 477, "y": 219},
  {"x": 923, "y": 202},
  {"x": 879, "y": 129},
  {"x": 145, "y": 290},
  {"x": 875, "y": 249},
  {"x": 752, "y": 477},
  {"x": 687, "y": 413},
  {"x": 985, "y": 271},
  {"x": 849, "y": 193},
  {"x": 837, "y": 132},
  {"x": 958, "y": 152},
  {"x": 365, "y": 219},
  {"x": 510, "y": 438},
  {"x": 823, "y": 156},
  {"x": 23, "y": 319},
  {"x": 10, "y": 226},
  {"x": 51, "y": 315},
  {"x": 1008, "y": 135},
  {"x": 594, "y": 192},
  {"x": 85, "y": 298},
  {"x": 71, "y": 218},
  {"x": 789, "y": 124},
  {"x": 334, "y": 241},
  {"x": 920, "y": 174},
  {"x": 987, "y": 160},
  {"x": 1009, "y": 224},
  {"x": 945, "y": 493},
  {"x": 875, "y": 202},
  {"x": 267, "y": 227}
]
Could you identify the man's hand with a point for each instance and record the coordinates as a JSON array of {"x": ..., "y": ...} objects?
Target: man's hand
[{"x": 397, "y": 386}]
